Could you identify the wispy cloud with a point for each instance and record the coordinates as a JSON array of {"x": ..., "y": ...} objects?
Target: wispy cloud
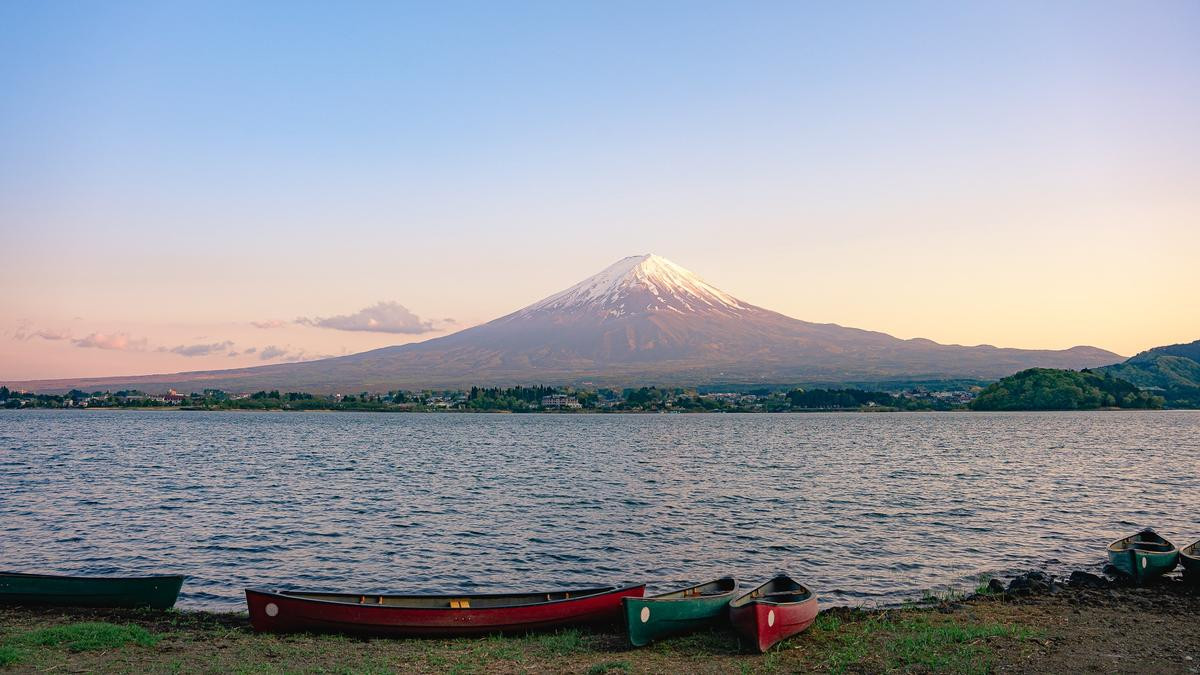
[
  {"x": 382, "y": 317},
  {"x": 198, "y": 349},
  {"x": 269, "y": 323},
  {"x": 285, "y": 354},
  {"x": 114, "y": 341},
  {"x": 272, "y": 352},
  {"x": 22, "y": 334}
]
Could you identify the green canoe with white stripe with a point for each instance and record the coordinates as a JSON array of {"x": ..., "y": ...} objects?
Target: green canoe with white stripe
[
  {"x": 1143, "y": 555},
  {"x": 677, "y": 612}
]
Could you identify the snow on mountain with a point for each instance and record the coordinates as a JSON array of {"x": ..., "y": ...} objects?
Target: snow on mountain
[{"x": 640, "y": 283}]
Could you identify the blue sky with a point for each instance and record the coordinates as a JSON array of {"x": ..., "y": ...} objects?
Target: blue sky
[{"x": 465, "y": 159}]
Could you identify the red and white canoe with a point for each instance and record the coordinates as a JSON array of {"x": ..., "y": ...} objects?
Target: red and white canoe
[
  {"x": 776, "y": 610},
  {"x": 429, "y": 615}
]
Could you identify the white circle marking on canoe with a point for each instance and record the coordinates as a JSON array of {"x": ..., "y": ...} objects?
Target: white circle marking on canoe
[
  {"x": 645, "y": 614},
  {"x": 1143, "y": 563},
  {"x": 272, "y": 609},
  {"x": 771, "y": 618}
]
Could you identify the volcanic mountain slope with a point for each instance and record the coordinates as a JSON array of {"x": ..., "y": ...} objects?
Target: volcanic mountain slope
[{"x": 643, "y": 320}]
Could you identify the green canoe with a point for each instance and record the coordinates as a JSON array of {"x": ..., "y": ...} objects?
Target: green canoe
[
  {"x": 648, "y": 619},
  {"x": 1190, "y": 557},
  {"x": 46, "y": 589},
  {"x": 1143, "y": 555}
]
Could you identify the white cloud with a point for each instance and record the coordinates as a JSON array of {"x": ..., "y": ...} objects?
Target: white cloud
[
  {"x": 382, "y": 317},
  {"x": 198, "y": 349},
  {"x": 114, "y": 341}
]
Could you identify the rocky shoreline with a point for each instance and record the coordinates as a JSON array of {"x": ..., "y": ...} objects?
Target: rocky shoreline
[{"x": 1034, "y": 622}]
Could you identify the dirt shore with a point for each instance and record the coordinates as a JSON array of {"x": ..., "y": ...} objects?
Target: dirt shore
[{"x": 1041, "y": 626}]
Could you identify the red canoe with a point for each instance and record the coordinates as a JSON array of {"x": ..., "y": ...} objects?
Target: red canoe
[
  {"x": 417, "y": 615},
  {"x": 776, "y": 610}
]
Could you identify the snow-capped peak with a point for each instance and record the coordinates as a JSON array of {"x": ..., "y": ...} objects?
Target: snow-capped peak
[{"x": 642, "y": 283}]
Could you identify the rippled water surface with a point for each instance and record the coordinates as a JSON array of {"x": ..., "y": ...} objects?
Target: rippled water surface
[{"x": 865, "y": 508}]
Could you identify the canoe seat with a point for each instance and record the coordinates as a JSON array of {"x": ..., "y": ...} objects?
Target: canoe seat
[{"x": 464, "y": 603}]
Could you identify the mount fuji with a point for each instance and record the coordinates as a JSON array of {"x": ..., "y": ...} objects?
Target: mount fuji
[{"x": 642, "y": 320}]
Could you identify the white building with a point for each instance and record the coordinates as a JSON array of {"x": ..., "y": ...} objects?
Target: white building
[{"x": 560, "y": 401}]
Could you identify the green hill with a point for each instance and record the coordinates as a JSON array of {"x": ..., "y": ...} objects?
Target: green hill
[
  {"x": 1188, "y": 350},
  {"x": 1172, "y": 371},
  {"x": 1051, "y": 389}
]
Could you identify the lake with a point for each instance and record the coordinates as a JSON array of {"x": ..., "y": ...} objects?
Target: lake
[{"x": 864, "y": 508}]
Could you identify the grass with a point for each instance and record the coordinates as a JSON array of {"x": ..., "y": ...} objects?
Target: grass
[
  {"x": 704, "y": 642},
  {"x": 947, "y": 647},
  {"x": 82, "y": 637},
  {"x": 941, "y": 596},
  {"x": 915, "y": 642},
  {"x": 984, "y": 587},
  {"x": 75, "y": 637},
  {"x": 840, "y": 640},
  {"x": 559, "y": 643},
  {"x": 10, "y": 656}
]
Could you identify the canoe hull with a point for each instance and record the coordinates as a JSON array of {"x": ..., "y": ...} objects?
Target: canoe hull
[
  {"x": 1189, "y": 557},
  {"x": 159, "y": 592},
  {"x": 649, "y": 619},
  {"x": 280, "y": 612},
  {"x": 774, "y": 611},
  {"x": 764, "y": 624},
  {"x": 1143, "y": 556}
]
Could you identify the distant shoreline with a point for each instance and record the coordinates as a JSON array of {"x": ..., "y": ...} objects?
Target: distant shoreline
[{"x": 573, "y": 413}]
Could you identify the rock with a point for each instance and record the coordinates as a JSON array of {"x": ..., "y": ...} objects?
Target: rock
[
  {"x": 1019, "y": 585},
  {"x": 995, "y": 586},
  {"x": 1031, "y": 582},
  {"x": 1086, "y": 580}
]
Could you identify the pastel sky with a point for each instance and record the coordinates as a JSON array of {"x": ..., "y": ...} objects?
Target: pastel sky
[{"x": 193, "y": 185}]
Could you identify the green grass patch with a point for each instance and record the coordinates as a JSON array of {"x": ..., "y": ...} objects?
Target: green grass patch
[
  {"x": 560, "y": 643},
  {"x": 883, "y": 643},
  {"x": 947, "y": 647},
  {"x": 87, "y": 636},
  {"x": 10, "y": 656}
]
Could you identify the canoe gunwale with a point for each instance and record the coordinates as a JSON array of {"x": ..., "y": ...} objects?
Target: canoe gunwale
[
  {"x": 804, "y": 592},
  {"x": 584, "y": 594},
  {"x": 673, "y": 596},
  {"x": 1191, "y": 551},
  {"x": 69, "y": 577},
  {"x": 1126, "y": 544}
]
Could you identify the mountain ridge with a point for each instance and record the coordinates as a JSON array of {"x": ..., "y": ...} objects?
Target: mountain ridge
[
  {"x": 642, "y": 320},
  {"x": 1173, "y": 370}
]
